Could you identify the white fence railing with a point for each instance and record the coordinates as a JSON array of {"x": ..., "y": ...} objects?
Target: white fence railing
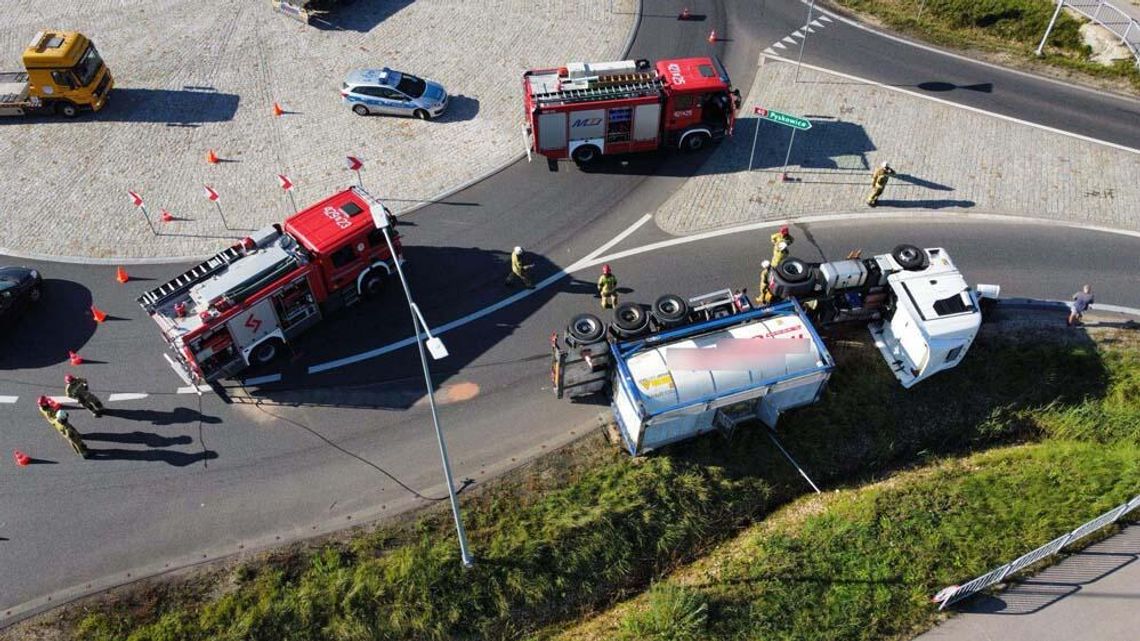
[
  {"x": 1106, "y": 15},
  {"x": 956, "y": 593}
]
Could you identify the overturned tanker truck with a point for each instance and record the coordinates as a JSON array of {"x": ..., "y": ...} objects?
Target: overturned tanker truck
[{"x": 683, "y": 367}]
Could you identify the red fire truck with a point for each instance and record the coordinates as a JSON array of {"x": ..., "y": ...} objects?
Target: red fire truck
[
  {"x": 242, "y": 305},
  {"x": 584, "y": 110}
]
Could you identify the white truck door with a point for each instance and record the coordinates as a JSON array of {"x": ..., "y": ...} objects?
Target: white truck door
[{"x": 253, "y": 324}]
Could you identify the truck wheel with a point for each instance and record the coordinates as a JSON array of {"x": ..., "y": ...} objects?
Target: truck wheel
[
  {"x": 586, "y": 154},
  {"x": 265, "y": 352},
  {"x": 360, "y": 110},
  {"x": 793, "y": 270},
  {"x": 67, "y": 109},
  {"x": 909, "y": 257},
  {"x": 373, "y": 284},
  {"x": 630, "y": 319},
  {"x": 584, "y": 329},
  {"x": 421, "y": 114},
  {"x": 670, "y": 310},
  {"x": 695, "y": 142}
]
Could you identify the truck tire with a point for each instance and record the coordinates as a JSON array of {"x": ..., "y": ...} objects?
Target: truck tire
[
  {"x": 793, "y": 270},
  {"x": 909, "y": 257},
  {"x": 360, "y": 110},
  {"x": 373, "y": 284},
  {"x": 265, "y": 352},
  {"x": 584, "y": 329},
  {"x": 630, "y": 320},
  {"x": 670, "y": 310},
  {"x": 67, "y": 109},
  {"x": 586, "y": 154},
  {"x": 694, "y": 142},
  {"x": 421, "y": 114}
]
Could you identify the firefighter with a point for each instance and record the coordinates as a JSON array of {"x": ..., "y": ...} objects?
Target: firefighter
[
  {"x": 879, "y": 183},
  {"x": 607, "y": 288},
  {"x": 77, "y": 388},
  {"x": 781, "y": 240},
  {"x": 765, "y": 296},
  {"x": 519, "y": 270},
  {"x": 57, "y": 417}
]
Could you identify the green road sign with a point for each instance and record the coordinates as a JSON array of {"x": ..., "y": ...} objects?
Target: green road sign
[{"x": 782, "y": 118}]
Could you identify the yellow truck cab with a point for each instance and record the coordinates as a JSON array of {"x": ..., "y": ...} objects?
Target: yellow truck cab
[{"x": 63, "y": 73}]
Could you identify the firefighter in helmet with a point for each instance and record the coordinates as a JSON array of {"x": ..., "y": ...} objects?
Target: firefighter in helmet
[
  {"x": 57, "y": 417},
  {"x": 879, "y": 183},
  {"x": 781, "y": 240},
  {"x": 765, "y": 296},
  {"x": 519, "y": 269},
  {"x": 77, "y": 388},
  {"x": 607, "y": 288}
]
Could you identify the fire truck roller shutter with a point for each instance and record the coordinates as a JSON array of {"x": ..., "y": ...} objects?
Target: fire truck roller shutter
[
  {"x": 551, "y": 131},
  {"x": 371, "y": 281},
  {"x": 646, "y": 122}
]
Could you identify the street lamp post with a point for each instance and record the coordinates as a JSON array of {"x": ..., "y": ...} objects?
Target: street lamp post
[{"x": 438, "y": 351}]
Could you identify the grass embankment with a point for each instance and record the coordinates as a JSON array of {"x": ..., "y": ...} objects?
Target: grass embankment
[
  {"x": 585, "y": 528},
  {"x": 1010, "y": 27}
]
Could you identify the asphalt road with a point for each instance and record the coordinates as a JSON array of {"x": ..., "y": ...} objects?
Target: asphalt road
[{"x": 178, "y": 478}]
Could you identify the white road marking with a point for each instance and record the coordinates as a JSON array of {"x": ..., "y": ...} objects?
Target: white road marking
[
  {"x": 127, "y": 396},
  {"x": 797, "y": 34},
  {"x": 510, "y": 300},
  {"x": 195, "y": 389},
  {"x": 1117, "y": 309},
  {"x": 770, "y": 51},
  {"x": 269, "y": 378},
  {"x": 789, "y": 40},
  {"x": 968, "y": 108},
  {"x": 780, "y": 45},
  {"x": 9, "y": 399},
  {"x": 63, "y": 399},
  {"x": 825, "y": 15},
  {"x": 816, "y": 23}
]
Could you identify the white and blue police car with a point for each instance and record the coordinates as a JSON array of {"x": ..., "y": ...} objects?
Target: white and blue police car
[{"x": 387, "y": 91}]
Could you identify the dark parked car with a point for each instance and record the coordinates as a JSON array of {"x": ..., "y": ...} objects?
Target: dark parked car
[{"x": 19, "y": 287}]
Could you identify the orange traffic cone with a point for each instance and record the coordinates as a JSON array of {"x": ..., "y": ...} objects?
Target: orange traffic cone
[
  {"x": 712, "y": 36},
  {"x": 277, "y": 110},
  {"x": 121, "y": 275},
  {"x": 21, "y": 459},
  {"x": 98, "y": 314},
  {"x": 166, "y": 217},
  {"x": 75, "y": 358},
  {"x": 212, "y": 158}
]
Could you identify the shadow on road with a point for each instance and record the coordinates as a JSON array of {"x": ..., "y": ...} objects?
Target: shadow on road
[
  {"x": 187, "y": 107},
  {"x": 460, "y": 108},
  {"x": 170, "y": 457},
  {"x": 353, "y": 15},
  {"x": 149, "y": 439},
  {"x": 59, "y": 322},
  {"x": 177, "y": 416},
  {"x": 925, "y": 204}
]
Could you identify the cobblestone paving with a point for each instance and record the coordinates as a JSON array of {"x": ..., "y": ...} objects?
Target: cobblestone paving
[
  {"x": 947, "y": 158},
  {"x": 202, "y": 75}
]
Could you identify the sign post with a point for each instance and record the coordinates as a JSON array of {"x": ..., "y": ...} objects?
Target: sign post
[
  {"x": 795, "y": 122},
  {"x": 355, "y": 164},
  {"x": 212, "y": 196},
  {"x": 138, "y": 202},
  {"x": 287, "y": 185}
]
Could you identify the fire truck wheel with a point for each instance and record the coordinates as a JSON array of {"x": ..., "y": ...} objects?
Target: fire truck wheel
[
  {"x": 670, "y": 310},
  {"x": 421, "y": 114},
  {"x": 695, "y": 142},
  {"x": 909, "y": 257},
  {"x": 360, "y": 110},
  {"x": 793, "y": 270},
  {"x": 584, "y": 329},
  {"x": 630, "y": 319},
  {"x": 265, "y": 352},
  {"x": 586, "y": 154},
  {"x": 373, "y": 284},
  {"x": 67, "y": 110}
]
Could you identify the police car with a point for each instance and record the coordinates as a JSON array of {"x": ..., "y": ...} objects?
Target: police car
[{"x": 387, "y": 91}]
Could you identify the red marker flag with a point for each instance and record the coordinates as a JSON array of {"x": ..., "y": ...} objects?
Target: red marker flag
[
  {"x": 286, "y": 184},
  {"x": 210, "y": 193},
  {"x": 135, "y": 198},
  {"x": 354, "y": 163}
]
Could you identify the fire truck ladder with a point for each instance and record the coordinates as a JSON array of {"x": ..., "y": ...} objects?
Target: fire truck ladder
[
  {"x": 632, "y": 85},
  {"x": 155, "y": 297}
]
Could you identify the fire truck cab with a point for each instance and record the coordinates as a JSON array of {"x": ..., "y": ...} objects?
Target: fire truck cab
[
  {"x": 584, "y": 110},
  {"x": 244, "y": 304}
]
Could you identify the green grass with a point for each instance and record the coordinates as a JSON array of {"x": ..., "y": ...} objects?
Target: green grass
[
  {"x": 585, "y": 528},
  {"x": 1013, "y": 27}
]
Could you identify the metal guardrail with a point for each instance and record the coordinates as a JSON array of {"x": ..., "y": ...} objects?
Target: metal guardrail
[
  {"x": 955, "y": 593},
  {"x": 1106, "y": 15}
]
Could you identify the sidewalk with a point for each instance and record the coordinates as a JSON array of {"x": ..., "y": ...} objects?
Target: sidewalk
[
  {"x": 196, "y": 76},
  {"x": 1090, "y": 596},
  {"x": 948, "y": 159}
]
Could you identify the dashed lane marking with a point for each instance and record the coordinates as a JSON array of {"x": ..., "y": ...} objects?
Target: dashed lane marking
[
  {"x": 194, "y": 389},
  {"x": 259, "y": 380},
  {"x": 127, "y": 396},
  {"x": 9, "y": 399}
]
